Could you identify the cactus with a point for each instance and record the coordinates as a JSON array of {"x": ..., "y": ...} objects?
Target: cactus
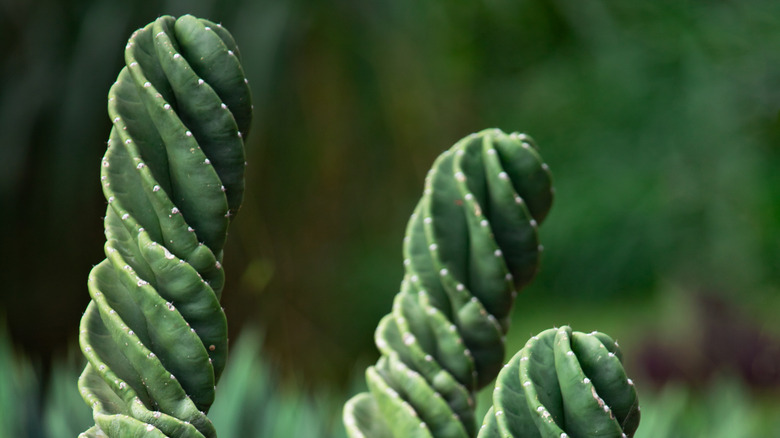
[
  {"x": 564, "y": 384},
  {"x": 154, "y": 333},
  {"x": 471, "y": 243}
]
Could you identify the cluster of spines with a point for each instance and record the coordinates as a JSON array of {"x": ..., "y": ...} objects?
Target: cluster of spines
[
  {"x": 564, "y": 384},
  {"x": 154, "y": 334},
  {"x": 470, "y": 244}
]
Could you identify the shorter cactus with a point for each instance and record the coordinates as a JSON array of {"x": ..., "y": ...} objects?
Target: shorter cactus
[
  {"x": 470, "y": 245},
  {"x": 564, "y": 384}
]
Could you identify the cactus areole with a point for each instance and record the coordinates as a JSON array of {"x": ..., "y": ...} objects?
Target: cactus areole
[{"x": 154, "y": 333}]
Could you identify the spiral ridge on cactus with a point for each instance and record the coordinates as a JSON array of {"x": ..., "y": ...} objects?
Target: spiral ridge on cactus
[
  {"x": 470, "y": 244},
  {"x": 154, "y": 333},
  {"x": 564, "y": 384}
]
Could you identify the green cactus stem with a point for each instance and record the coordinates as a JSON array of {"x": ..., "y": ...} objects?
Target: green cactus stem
[
  {"x": 154, "y": 333},
  {"x": 564, "y": 384},
  {"x": 471, "y": 243}
]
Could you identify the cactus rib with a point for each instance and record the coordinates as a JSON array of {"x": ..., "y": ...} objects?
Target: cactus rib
[
  {"x": 154, "y": 333},
  {"x": 470, "y": 244},
  {"x": 564, "y": 384}
]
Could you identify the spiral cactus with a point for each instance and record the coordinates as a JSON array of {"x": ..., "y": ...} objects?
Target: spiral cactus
[
  {"x": 564, "y": 384},
  {"x": 154, "y": 333},
  {"x": 470, "y": 245}
]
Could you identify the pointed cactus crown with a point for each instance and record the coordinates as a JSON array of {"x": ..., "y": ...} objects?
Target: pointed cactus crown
[
  {"x": 564, "y": 384},
  {"x": 471, "y": 243},
  {"x": 154, "y": 333}
]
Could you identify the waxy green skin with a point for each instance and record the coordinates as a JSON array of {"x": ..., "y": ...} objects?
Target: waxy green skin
[
  {"x": 564, "y": 384},
  {"x": 471, "y": 243},
  {"x": 154, "y": 333}
]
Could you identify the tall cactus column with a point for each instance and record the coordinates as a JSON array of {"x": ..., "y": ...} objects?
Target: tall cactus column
[
  {"x": 154, "y": 333},
  {"x": 471, "y": 243}
]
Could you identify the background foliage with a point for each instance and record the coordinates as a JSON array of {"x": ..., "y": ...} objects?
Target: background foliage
[{"x": 659, "y": 121}]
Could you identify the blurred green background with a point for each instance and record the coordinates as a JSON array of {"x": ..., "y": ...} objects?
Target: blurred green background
[{"x": 659, "y": 121}]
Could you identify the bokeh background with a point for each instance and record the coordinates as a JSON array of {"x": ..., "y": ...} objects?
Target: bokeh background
[{"x": 658, "y": 119}]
